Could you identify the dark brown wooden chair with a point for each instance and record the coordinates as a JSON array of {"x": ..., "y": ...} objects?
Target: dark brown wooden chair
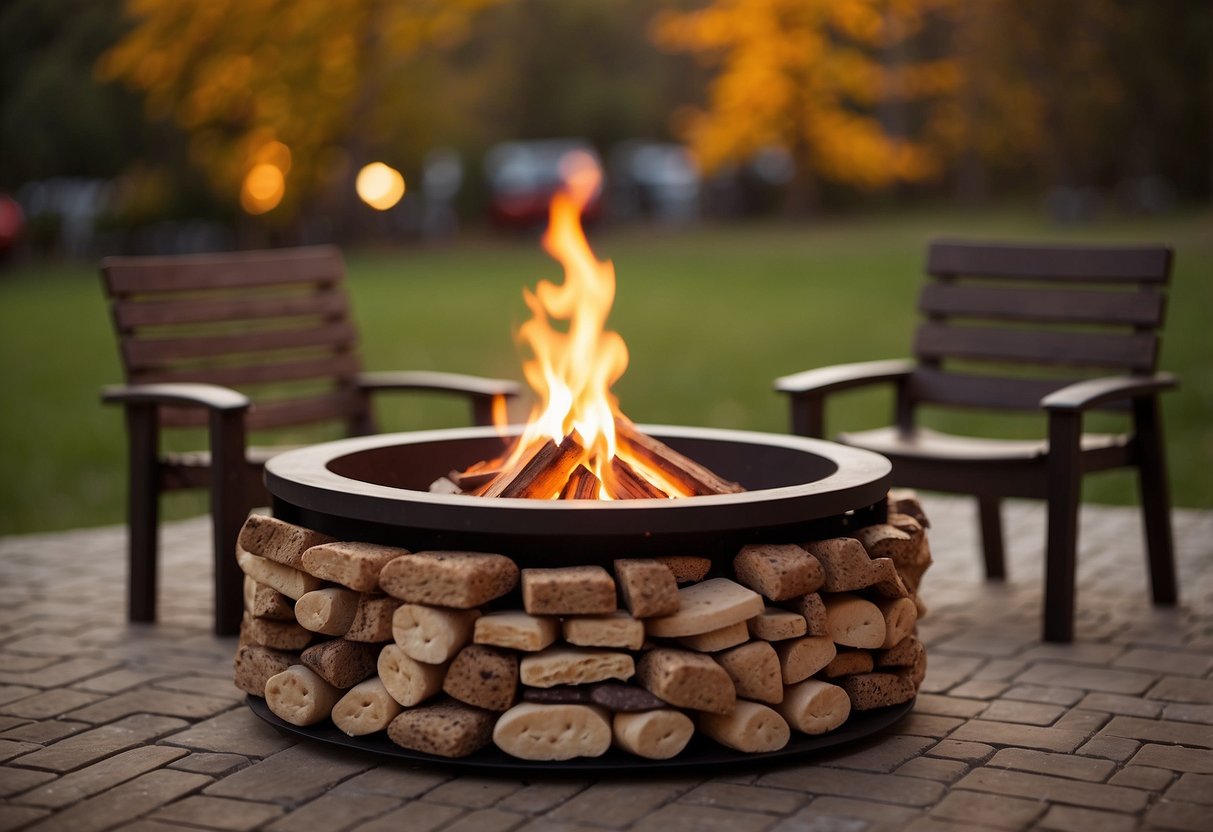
[
  {"x": 274, "y": 324},
  {"x": 1061, "y": 330}
]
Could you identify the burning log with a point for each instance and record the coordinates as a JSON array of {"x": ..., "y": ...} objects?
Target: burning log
[
  {"x": 679, "y": 469},
  {"x": 628, "y": 485},
  {"x": 582, "y": 485},
  {"x": 544, "y": 474}
]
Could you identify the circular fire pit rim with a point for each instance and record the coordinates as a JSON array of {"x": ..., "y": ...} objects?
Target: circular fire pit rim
[{"x": 303, "y": 477}]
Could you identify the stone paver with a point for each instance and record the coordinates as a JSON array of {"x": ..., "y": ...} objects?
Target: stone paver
[{"x": 109, "y": 726}]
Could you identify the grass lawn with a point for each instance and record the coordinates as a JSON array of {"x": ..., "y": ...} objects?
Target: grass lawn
[{"x": 710, "y": 316}]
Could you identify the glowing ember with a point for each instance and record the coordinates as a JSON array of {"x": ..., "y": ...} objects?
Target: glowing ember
[{"x": 577, "y": 444}]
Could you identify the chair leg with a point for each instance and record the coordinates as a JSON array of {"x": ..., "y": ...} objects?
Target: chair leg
[
  {"x": 1061, "y": 544},
  {"x": 1155, "y": 500},
  {"x": 229, "y": 508},
  {"x": 990, "y": 512},
  {"x": 143, "y": 512}
]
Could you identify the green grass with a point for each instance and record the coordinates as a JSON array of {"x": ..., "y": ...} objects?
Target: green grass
[{"x": 710, "y": 316}]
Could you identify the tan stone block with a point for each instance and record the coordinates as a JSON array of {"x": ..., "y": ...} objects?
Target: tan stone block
[
  {"x": 532, "y": 731},
  {"x": 485, "y": 677},
  {"x": 750, "y": 727},
  {"x": 373, "y": 619},
  {"x": 800, "y": 658},
  {"x": 778, "y": 571},
  {"x": 716, "y": 640},
  {"x": 814, "y": 707},
  {"x": 813, "y": 609},
  {"x": 516, "y": 630},
  {"x": 341, "y": 663},
  {"x": 256, "y": 664},
  {"x": 687, "y": 569},
  {"x": 569, "y": 590},
  {"x": 462, "y": 580},
  {"x": 648, "y": 587},
  {"x": 353, "y": 565},
  {"x": 755, "y": 671},
  {"x": 329, "y": 611},
  {"x": 432, "y": 634},
  {"x": 291, "y": 582},
  {"x": 853, "y": 621},
  {"x": 366, "y": 708},
  {"x": 407, "y": 680},
  {"x": 279, "y": 635},
  {"x": 263, "y": 601},
  {"x": 686, "y": 680},
  {"x": 574, "y": 666},
  {"x": 707, "y": 606},
  {"x": 774, "y": 624},
  {"x": 844, "y": 562},
  {"x": 447, "y": 729},
  {"x": 903, "y": 654},
  {"x": 277, "y": 540},
  {"x": 900, "y": 617},
  {"x": 299, "y": 695},
  {"x": 616, "y": 629},
  {"x": 877, "y": 690},
  {"x": 655, "y": 735},
  {"x": 848, "y": 662}
]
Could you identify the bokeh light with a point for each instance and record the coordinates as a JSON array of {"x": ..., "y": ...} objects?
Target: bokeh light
[
  {"x": 264, "y": 187},
  {"x": 379, "y": 186}
]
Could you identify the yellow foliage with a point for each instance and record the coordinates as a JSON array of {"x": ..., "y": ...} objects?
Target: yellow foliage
[
  {"x": 249, "y": 77},
  {"x": 809, "y": 75}
]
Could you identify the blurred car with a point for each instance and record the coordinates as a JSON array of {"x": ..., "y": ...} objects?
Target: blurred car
[
  {"x": 657, "y": 179},
  {"x": 522, "y": 176}
]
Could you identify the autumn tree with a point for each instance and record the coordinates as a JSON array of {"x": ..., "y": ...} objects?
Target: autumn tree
[
  {"x": 819, "y": 78},
  {"x": 306, "y": 88}
]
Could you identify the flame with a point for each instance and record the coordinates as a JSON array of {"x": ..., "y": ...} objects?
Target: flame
[{"x": 575, "y": 358}]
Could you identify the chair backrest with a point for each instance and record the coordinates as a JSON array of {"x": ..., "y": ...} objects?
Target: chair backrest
[
  {"x": 273, "y": 324},
  {"x": 1006, "y": 324}
]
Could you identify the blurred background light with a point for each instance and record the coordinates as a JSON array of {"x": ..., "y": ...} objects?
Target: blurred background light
[{"x": 379, "y": 186}]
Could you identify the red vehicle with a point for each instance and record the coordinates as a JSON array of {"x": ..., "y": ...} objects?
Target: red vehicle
[{"x": 522, "y": 176}]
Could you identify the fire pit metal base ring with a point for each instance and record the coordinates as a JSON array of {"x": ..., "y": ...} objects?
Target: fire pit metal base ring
[
  {"x": 374, "y": 489},
  {"x": 701, "y": 755}
]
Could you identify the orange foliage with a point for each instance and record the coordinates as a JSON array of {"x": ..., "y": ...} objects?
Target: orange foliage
[
  {"x": 808, "y": 75},
  {"x": 244, "y": 77}
]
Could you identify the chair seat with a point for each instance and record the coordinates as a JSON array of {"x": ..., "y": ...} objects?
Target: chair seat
[
  {"x": 256, "y": 455},
  {"x": 927, "y": 444}
]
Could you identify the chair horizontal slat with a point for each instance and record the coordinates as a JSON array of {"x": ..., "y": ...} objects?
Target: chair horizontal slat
[
  {"x": 1038, "y": 305},
  {"x": 930, "y": 386},
  {"x": 345, "y": 365},
  {"x": 340, "y": 404},
  {"x": 204, "y": 272},
  {"x": 1144, "y": 264},
  {"x": 151, "y": 353},
  {"x": 278, "y": 413},
  {"x": 129, "y": 314},
  {"x": 1133, "y": 352}
]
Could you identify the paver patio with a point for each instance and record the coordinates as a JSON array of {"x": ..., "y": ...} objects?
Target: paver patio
[{"x": 106, "y": 725}]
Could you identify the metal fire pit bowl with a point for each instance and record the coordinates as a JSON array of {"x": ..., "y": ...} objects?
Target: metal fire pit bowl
[{"x": 374, "y": 489}]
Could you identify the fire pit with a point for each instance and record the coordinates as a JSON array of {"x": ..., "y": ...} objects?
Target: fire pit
[
  {"x": 579, "y": 592},
  {"x": 375, "y": 489}
]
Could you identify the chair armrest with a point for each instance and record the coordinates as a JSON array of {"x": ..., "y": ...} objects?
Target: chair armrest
[
  {"x": 442, "y": 382},
  {"x": 843, "y": 376},
  {"x": 483, "y": 393},
  {"x": 210, "y": 396},
  {"x": 1083, "y": 395}
]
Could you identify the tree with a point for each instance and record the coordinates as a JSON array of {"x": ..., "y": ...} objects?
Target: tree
[
  {"x": 821, "y": 78},
  {"x": 305, "y": 87}
]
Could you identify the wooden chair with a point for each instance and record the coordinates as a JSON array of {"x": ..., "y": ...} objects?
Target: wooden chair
[
  {"x": 275, "y": 324},
  {"x": 1083, "y": 309}
]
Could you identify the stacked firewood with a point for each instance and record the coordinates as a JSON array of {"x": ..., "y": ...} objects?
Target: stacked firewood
[{"x": 449, "y": 651}]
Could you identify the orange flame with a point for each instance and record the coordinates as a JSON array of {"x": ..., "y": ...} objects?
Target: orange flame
[{"x": 576, "y": 359}]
